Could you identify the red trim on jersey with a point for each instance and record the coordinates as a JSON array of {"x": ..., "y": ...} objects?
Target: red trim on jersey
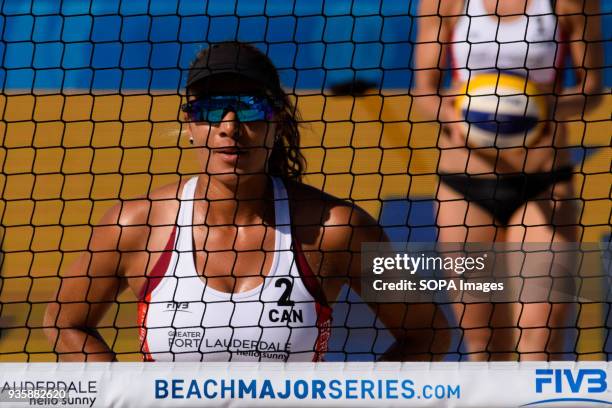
[
  {"x": 153, "y": 280},
  {"x": 324, "y": 320},
  {"x": 160, "y": 268},
  {"x": 324, "y": 312},
  {"x": 143, "y": 308}
]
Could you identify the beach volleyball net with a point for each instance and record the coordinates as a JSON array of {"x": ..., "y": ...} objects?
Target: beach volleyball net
[{"x": 91, "y": 119}]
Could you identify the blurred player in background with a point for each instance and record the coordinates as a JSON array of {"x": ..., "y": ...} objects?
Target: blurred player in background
[
  {"x": 518, "y": 194},
  {"x": 241, "y": 262}
]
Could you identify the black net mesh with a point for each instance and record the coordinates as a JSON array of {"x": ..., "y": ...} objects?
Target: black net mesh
[{"x": 91, "y": 121}]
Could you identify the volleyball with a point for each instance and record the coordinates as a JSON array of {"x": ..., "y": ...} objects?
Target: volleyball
[{"x": 501, "y": 110}]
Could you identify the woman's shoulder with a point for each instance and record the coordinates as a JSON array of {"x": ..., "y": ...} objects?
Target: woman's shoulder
[
  {"x": 157, "y": 208},
  {"x": 327, "y": 221},
  {"x": 313, "y": 204}
]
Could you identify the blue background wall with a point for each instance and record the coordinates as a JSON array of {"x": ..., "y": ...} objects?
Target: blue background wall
[{"x": 148, "y": 44}]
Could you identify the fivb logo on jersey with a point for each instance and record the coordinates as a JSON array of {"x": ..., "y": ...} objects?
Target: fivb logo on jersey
[{"x": 177, "y": 307}]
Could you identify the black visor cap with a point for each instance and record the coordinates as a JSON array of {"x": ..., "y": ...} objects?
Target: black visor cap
[{"x": 232, "y": 58}]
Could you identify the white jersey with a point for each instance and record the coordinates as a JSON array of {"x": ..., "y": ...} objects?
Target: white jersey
[
  {"x": 183, "y": 319},
  {"x": 526, "y": 45}
]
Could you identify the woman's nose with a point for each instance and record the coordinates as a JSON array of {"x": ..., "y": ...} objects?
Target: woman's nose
[{"x": 229, "y": 123}]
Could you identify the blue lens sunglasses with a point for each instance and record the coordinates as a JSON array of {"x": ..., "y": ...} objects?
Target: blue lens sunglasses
[{"x": 212, "y": 109}]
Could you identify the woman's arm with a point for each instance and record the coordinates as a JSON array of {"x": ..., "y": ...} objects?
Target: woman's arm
[
  {"x": 435, "y": 26},
  {"x": 420, "y": 329},
  {"x": 580, "y": 20},
  {"x": 87, "y": 290}
]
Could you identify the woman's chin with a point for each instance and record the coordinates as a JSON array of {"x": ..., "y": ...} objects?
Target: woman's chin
[{"x": 233, "y": 173}]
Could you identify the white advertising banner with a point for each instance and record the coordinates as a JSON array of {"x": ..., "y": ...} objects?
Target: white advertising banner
[{"x": 302, "y": 384}]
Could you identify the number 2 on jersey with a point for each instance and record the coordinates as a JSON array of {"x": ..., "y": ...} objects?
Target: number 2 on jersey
[{"x": 285, "y": 300}]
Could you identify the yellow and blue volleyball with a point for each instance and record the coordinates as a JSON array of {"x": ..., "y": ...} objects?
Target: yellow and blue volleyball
[{"x": 501, "y": 110}]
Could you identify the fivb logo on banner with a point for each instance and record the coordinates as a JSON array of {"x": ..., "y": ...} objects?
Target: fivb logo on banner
[{"x": 571, "y": 384}]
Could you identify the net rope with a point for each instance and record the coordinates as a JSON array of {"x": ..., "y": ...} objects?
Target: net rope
[{"x": 91, "y": 119}]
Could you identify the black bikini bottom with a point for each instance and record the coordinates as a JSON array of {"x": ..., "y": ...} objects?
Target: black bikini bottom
[{"x": 503, "y": 195}]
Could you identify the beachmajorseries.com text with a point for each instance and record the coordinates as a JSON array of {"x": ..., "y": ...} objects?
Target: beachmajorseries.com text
[
  {"x": 412, "y": 264},
  {"x": 315, "y": 389}
]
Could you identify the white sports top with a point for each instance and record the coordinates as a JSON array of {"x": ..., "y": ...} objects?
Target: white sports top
[
  {"x": 525, "y": 45},
  {"x": 183, "y": 319}
]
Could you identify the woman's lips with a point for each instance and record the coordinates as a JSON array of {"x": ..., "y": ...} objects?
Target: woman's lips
[{"x": 229, "y": 155}]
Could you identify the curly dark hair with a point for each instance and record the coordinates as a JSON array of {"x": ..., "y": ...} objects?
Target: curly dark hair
[{"x": 286, "y": 159}]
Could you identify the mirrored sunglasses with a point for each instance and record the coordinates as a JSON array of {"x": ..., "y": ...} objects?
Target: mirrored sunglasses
[{"x": 212, "y": 109}]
